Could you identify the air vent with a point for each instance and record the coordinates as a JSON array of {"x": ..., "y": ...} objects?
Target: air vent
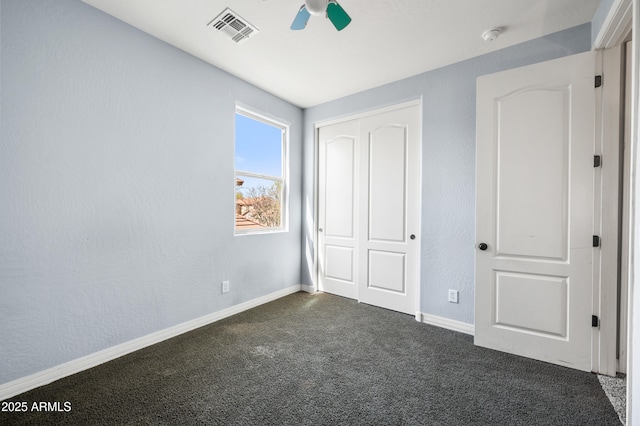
[{"x": 233, "y": 26}]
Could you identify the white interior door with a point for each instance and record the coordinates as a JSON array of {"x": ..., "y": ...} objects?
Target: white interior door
[
  {"x": 337, "y": 212},
  {"x": 369, "y": 208},
  {"x": 389, "y": 205},
  {"x": 535, "y": 210}
]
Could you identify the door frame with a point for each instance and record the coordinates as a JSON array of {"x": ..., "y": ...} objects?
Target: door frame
[
  {"x": 608, "y": 139},
  {"x": 623, "y": 304},
  {"x": 316, "y": 181},
  {"x": 633, "y": 247},
  {"x": 614, "y": 287}
]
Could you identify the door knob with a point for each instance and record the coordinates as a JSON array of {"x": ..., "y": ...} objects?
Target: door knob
[
  {"x": 320, "y": 230},
  {"x": 412, "y": 236},
  {"x": 483, "y": 246}
]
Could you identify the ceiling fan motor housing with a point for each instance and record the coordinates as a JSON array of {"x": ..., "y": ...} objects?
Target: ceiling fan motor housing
[{"x": 316, "y": 7}]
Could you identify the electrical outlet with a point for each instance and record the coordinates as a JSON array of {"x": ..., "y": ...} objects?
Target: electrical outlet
[
  {"x": 453, "y": 296},
  {"x": 225, "y": 286}
]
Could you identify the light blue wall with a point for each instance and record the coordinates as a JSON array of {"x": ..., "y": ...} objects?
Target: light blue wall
[
  {"x": 598, "y": 18},
  {"x": 117, "y": 187},
  {"x": 448, "y": 162},
  {"x": 116, "y": 181}
]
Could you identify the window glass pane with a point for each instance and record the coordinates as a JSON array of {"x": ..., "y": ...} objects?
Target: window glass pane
[
  {"x": 260, "y": 175},
  {"x": 258, "y": 203},
  {"x": 258, "y": 147}
]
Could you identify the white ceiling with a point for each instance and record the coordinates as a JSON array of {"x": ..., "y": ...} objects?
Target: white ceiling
[{"x": 387, "y": 40}]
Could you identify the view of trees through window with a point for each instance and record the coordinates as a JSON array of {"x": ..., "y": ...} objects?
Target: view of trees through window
[
  {"x": 259, "y": 174},
  {"x": 260, "y": 204}
]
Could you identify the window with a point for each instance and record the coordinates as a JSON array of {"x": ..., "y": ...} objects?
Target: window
[{"x": 260, "y": 183}]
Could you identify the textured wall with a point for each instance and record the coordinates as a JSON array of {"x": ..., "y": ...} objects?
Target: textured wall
[
  {"x": 448, "y": 162},
  {"x": 117, "y": 187},
  {"x": 598, "y": 18}
]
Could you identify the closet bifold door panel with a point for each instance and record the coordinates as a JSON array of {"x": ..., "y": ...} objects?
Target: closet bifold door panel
[{"x": 369, "y": 204}]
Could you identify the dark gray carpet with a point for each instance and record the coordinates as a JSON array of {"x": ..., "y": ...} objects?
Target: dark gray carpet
[{"x": 322, "y": 360}]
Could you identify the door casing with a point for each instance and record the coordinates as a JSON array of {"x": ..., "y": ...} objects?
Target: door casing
[
  {"x": 614, "y": 32},
  {"x": 609, "y": 131}
]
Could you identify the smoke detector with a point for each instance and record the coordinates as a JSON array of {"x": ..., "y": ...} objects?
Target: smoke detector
[
  {"x": 491, "y": 34},
  {"x": 234, "y": 27}
]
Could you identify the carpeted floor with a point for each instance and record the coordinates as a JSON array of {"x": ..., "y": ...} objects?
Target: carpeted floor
[
  {"x": 616, "y": 390},
  {"x": 322, "y": 360}
]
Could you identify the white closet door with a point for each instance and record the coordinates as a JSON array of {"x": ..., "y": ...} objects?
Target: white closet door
[
  {"x": 389, "y": 206},
  {"x": 337, "y": 215},
  {"x": 369, "y": 209}
]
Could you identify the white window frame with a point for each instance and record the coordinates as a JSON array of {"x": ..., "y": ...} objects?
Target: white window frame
[{"x": 284, "y": 207}]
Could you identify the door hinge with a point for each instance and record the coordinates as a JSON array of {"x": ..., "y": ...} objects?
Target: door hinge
[
  {"x": 597, "y": 160},
  {"x": 596, "y": 241},
  {"x": 595, "y": 321},
  {"x": 598, "y": 80}
]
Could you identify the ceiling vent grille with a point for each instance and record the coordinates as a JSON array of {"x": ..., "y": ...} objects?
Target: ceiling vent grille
[{"x": 233, "y": 26}]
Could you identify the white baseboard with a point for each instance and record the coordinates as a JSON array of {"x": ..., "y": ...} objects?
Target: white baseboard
[
  {"x": 45, "y": 377},
  {"x": 308, "y": 288},
  {"x": 449, "y": 324}
]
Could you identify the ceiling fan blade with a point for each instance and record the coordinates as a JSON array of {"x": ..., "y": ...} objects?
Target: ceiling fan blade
[
  {"x": 338, "y": 17},
  {"x": 301, "y": 19}
]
